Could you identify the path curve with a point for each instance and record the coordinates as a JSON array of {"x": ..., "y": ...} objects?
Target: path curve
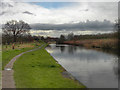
[{"x": 7, "y": 73}]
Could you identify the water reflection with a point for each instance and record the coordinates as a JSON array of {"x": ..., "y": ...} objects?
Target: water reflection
[
  {"x": 94, "y": 69},
  {"x": 62, "y": 49}
]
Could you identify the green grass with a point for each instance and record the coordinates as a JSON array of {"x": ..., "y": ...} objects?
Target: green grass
[
  {"x": 38, "y": 69},
  {"x": 8, "y": 53}
]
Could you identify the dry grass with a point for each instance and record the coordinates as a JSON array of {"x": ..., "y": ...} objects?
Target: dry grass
[
  {"x": 96, "y": 43},
  {"x": 20, "y": 46}
]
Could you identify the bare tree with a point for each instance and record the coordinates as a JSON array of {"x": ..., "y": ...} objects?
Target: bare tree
[
  {"x": 70, "y": 36},
  {"x": 15, "y": 28}
]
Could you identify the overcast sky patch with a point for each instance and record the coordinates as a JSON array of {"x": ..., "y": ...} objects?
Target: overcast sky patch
[
  {"x": 105, "y": 25},
  {"x": 90, "y": 17}
]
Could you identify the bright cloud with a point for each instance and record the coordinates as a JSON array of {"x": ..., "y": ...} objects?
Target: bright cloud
[
  {"x": 77, "y": 12},
  {"x": 65, "y": 15},
  {"x": 56, "y": 33}
]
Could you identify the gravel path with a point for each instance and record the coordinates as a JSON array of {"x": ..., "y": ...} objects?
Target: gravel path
[{"x": 7, "y": 73}]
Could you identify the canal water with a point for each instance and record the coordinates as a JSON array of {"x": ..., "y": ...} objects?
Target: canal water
[{"x": 93, "y": 68}]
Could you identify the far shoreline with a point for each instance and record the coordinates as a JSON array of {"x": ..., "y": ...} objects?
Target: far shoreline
[{"x": 105, "y": 45}]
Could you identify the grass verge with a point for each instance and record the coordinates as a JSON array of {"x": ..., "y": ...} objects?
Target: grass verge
[
  {"x": 8, "y": 53},
  {"x": 38, "y": 69}
]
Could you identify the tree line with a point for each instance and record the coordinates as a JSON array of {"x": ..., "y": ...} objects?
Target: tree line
[
  {"x": 71, "y": 36},
  {"x": 19, "y": 31}
]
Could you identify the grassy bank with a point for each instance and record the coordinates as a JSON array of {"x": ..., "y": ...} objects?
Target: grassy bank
[
  {"x": 96, "y": 43},
  {"x": 38, "y": 69},
  {"x": 8, "y": 53}
]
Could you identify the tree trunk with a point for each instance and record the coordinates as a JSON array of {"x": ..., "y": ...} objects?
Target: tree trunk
[{"x": 14, "y": 38}]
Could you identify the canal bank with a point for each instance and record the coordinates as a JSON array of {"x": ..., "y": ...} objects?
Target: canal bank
[
  {"x": 65, "y": 73},
  {"x": 92, "y": 68},
  {"x": 38, "y": 69},
  {"x": 106, "y": 45}
]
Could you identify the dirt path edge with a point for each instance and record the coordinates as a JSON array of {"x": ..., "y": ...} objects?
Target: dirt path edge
[{"x": 7, "y": 73}]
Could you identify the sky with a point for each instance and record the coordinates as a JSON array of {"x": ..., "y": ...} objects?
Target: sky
[{"x": 56, "y": 18}]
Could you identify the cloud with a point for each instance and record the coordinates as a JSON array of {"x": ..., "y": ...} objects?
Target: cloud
[
  {"x": 82, "y": 26},
  {"x": 67, "y": 0},
  {"x": 57, "y": 33},
  {"x": 119, "y": 9},
  {"x": 62, "y": 20},
  {"x": 26, "y": 12},
  {"x": 88, "y": 27},
  {"x": 74, "y": 13},
  {"x": 2, "y": 13}
]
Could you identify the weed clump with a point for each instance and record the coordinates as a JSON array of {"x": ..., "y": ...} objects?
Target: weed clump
[{"x": 52, "y": 66}]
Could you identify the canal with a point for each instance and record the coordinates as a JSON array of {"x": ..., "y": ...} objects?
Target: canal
[{"x": 93, "y": 68}]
